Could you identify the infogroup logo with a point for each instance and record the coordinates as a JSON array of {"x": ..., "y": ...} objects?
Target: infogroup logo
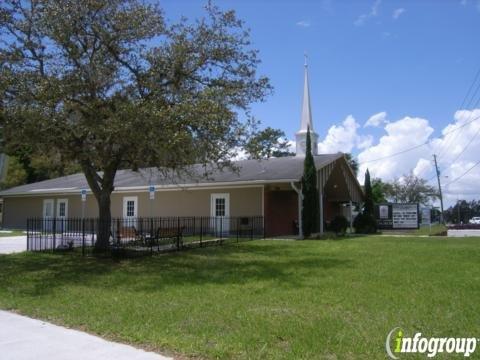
[{"x": 397, "y": 343}]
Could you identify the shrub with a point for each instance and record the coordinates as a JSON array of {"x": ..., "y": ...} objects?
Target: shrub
[
  {"x": 365, "y": 224},
  {"x": 339, "y": 224}
]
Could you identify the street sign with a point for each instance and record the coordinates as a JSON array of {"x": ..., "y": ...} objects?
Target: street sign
[
  {"x": 84, "y": 194},
  {"x": 426, "y": 219},
  {"x": 151, "y": 190}
]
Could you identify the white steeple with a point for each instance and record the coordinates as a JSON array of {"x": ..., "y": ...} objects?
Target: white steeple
[{"x": 306, "y": 120}]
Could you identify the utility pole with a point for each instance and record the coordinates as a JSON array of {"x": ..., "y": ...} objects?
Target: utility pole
[{"x": 439, "y": 187}]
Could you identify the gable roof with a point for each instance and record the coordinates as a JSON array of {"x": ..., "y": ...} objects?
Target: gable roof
[{"x": 283, "y": 169}]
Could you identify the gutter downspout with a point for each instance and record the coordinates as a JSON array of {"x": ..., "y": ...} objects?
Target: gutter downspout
[{"x": 300, "y": 199}]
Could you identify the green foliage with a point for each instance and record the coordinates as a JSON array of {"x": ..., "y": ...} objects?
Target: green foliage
[
  {"x": 365, "y": 222},
  {"x": 310, "y": 203},
  {"x": 111, "y": 85},
  {"x": 339, "y": 224},
  {"x": 462, "y": 211},
  {"x": 268, "y": 143},
  {"x": 378, "y": 191},
  {"x": 410, "y": 189},
  {"x": 16, "y": 174},
  {"x": 352, "y": 162},
  {"x": 369, "y": 205},
  {"x": 27, "y": 168}
]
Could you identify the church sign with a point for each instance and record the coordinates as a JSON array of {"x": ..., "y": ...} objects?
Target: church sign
[{"x": 397, "y": 216}]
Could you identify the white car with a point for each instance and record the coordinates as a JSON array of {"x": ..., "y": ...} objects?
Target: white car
[{"x": 475, "y": 220}]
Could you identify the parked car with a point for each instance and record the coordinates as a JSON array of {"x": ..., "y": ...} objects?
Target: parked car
[{"x": 475, "y": 220}]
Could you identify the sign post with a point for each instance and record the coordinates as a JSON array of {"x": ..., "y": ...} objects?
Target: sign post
[
  {"x": 83, "y": 193},
  {"x": 151, "y": 191},
  {"x": 426, "y": 218}
]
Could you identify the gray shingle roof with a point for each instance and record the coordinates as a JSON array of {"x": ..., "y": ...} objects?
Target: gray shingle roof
[{"x": 274, "y": 169}]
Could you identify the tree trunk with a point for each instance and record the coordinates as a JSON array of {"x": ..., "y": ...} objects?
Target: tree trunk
[
  {"x": 102, "y": 188},
  {"x": 104, "y": 221}
]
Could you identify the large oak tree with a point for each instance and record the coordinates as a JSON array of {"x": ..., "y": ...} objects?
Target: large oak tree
[{"x": 111, "y": 84}]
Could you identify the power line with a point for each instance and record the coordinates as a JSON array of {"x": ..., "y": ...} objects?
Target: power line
[
  {"x": 420, "y": 145},
  {"x": 471, "y": 87},
  {"x": 465, "y": 148},
  {"x": 461, "y": 176},
  {"x": 464, "y": 105},
  {"x": 454, "y": 138}
]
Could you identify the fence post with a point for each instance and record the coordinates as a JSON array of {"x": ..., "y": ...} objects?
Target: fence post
[
  {"x": 251, "y": 220},
  {"x": 194, "y": 229},
  {"x": 118, "y": 232},
  {"x": 54, "y": 232},
  {"x": 238, "y": 227},
  {"x": 221, "y": 229},
  {"x": 151, "y": 228},
  {"x": 83, "y": 236},
  {"x": 28, "y": 232},
  {"x": 264, "y": 225},
  {"x": 201, "y": 230},
  {"x": 178, "y": 232}
]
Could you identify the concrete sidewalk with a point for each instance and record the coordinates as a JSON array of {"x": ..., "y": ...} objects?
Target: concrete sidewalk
[
  {"x": 23, "y": 338},
  {"x": 13, "y": 244}
]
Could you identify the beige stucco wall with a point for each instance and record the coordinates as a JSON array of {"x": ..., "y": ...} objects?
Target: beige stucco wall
[
  {"x": 18, "y": 209},
  {"x": 243, "y": 202}
]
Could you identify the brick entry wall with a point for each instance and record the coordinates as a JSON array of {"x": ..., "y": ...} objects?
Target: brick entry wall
[{"x": 281, "y": 210}]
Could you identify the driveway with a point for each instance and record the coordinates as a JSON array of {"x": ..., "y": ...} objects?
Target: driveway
[
  {"x": 22, "y": 338},
  {"x": 13, "y": 244}
]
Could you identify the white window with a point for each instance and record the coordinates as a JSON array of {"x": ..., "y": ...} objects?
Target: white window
[
  {"x": 130, "y": 205},
  {"x": 62, "y": 208},
  {"x": 220, "y": 207},
  {"x": 48, "y": 208}
]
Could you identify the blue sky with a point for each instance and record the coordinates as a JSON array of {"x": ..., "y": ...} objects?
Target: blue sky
[
  {"x": 411, "y": 59},
  {"x": 420, "y": 64}
]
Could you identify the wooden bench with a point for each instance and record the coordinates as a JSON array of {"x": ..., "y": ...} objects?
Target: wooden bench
[
  {"x": 165, "y": 236},
  {"x": 128, "y": 234}
]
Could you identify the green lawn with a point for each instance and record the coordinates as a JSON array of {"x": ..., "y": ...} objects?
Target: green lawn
[
  {"x": 435, "y": 229},
  {"x": 259, "y": 300},
  {"x": 8, "y": 233}
]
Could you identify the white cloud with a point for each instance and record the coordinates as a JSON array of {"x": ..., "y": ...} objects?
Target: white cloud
[
  {"x": 304, "y": 23},
  {"x": 397, "y": 13},
  {"x": 364, "y": 141},
  {"x": 457, "y": 150},
  {"x": 476, "y": 4},
  {"x": 401, "y": 134},
  {"x": 373, "y": 13},
  {"x": 376, "y": 120},
  {"x": 423, "y": 167},
  {"x": 344, "y": 138}
]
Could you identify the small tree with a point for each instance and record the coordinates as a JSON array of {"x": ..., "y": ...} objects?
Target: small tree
[
  {"x": 379, "y": 189},
  {"x": 365, "y": 222},
  {"x": 369, "y": 205},
  {"x": 310, "y": 203}
]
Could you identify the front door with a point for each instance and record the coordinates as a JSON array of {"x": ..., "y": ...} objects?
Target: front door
[
  {"x": 220, "y": 213},
  {"x": 130, "y": 206},
  {"x": 48, "y": 214},
  {"x": 62, "y": 214}
]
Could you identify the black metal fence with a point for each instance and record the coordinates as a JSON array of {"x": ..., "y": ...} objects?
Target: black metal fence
[{"x": 132, "y": 236}]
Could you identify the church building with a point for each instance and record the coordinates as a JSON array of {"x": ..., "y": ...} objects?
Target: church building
[{"x": 269, "y": 188}]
